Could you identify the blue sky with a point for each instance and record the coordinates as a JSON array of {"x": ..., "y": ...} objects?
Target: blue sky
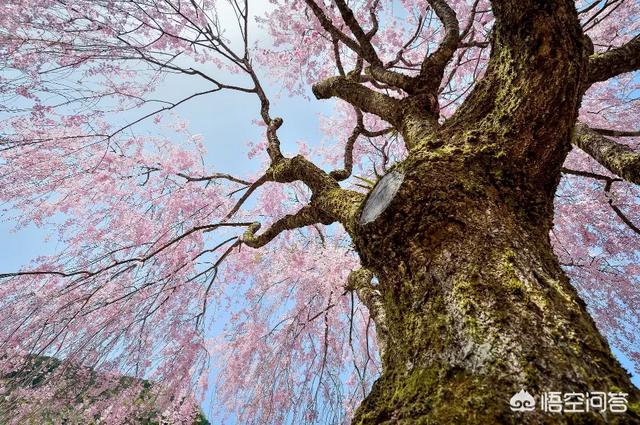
[{"x": 225, "y": 119}]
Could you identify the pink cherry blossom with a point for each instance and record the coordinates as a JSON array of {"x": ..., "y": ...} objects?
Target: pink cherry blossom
[{"x": 152, "y": 280}]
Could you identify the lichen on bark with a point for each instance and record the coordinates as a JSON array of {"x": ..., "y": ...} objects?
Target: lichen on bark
[{"x": 475, "y": 302}]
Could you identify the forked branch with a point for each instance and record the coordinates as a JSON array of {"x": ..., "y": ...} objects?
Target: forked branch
[
  {"x": 358, "y": 130},
  {"x": 307, "y": 216}
]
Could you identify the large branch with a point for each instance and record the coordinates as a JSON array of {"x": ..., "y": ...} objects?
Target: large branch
[
  {"x": 433, "y": 66},
  {"x": 626, "y": 58},
  {"x": 329, "y": 202},
  {"x": 615, "y": 157},
  {"x": 392, "y": 78},
  {"x": 299, "y": 168},
  {"x": 359, "y": 96},
  {"x": 326, "y": 194},
  {"x": 414, "y": 116}
]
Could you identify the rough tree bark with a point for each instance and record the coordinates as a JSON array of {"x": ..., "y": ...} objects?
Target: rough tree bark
[
  {"x": 471, "y": 304},
  {"x": 476, "y": 306}
]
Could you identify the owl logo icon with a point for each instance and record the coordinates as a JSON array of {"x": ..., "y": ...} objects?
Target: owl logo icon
[{"x": 522, "y": 402}]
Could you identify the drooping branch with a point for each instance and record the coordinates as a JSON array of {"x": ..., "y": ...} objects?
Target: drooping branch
[
  {"x": 139, "y": 260},
  {"x": 615, "y": 157},
  {"x": 215, "y": 176},
  {"x": 626, "y": 58},
  {"x": 609, "y": 181},
  {"x": 360, "y": 281},
  {"x": 364, "y": 98}
]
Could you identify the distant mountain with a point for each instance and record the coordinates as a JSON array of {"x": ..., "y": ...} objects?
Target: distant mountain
[{"x": 85, "y": 388}]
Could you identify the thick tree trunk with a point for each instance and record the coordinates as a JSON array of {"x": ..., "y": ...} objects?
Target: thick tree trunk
[
  {"x": 471, "y": 304},
  {"x": 475, "y": 304}
]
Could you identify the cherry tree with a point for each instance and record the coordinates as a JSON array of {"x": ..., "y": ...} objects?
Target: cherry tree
[{"x": 472, "y": 205}]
